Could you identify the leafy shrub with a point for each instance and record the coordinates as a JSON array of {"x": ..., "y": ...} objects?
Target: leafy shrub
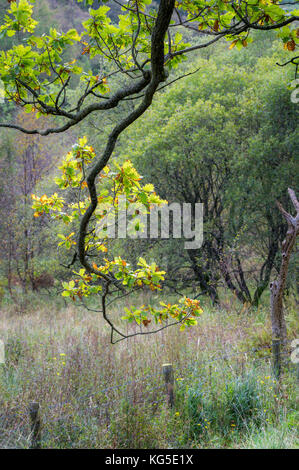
[{"x": 235, "y": 406}]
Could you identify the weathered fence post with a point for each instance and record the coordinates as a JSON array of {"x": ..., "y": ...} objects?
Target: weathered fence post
[
  {"x": 276, "y": 358},
  {"x": 35, "y": 426},
  {"x": 169, "y": 382}
]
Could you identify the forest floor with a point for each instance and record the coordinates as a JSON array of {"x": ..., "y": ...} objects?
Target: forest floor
[{"x": 97, "y": 395}]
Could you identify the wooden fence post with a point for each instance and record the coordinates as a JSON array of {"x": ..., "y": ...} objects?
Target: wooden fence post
[
  {"x": 169, "y": 382},
  {"x": 35, "y": 426},
  {"x": 276, "y": 358}
]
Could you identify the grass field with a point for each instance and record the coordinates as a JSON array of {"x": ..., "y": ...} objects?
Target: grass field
[{"x": 97, "y": 395}]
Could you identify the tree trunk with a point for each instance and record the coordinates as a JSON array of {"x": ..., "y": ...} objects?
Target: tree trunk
[{"x": 279, "y": 331}]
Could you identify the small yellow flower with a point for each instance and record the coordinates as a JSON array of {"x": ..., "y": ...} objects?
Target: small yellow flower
[
  {"x": 62, "y": 354},
  {"x": 233, "y": 425},
  {"x": 177, "y": 414}
]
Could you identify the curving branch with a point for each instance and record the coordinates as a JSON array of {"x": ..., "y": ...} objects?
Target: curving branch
[
  {"x": 255, "y": 25},
  {"x": 123, "y": 336},
  {"x": 103, "y": 106},
  {"x": 291, "y": 61}
]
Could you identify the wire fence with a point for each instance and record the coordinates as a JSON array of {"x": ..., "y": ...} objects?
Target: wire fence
[{"x": 103, "y": 409}]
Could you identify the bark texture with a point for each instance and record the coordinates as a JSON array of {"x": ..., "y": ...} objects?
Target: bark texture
[{"x": 279, "y": 331}]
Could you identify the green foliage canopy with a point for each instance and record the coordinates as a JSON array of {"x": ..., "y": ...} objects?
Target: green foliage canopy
[{"x": 142, "y": 47}]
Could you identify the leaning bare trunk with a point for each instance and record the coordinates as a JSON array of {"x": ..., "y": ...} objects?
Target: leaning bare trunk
[{"x": 279, "y": 331}]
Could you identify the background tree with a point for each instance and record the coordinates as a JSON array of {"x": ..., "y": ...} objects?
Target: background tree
[{"x": 28, "y": 160}]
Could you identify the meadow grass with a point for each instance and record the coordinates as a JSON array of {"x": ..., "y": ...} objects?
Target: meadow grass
[{"x": 96, "y": 395}]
